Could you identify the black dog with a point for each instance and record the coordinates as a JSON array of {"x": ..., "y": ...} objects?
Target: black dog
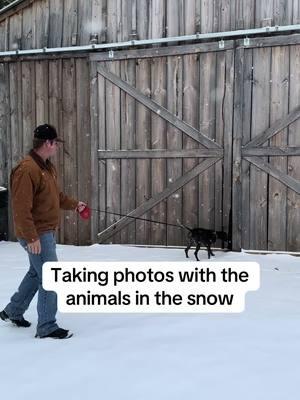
[{"x": 206, "y": 237}]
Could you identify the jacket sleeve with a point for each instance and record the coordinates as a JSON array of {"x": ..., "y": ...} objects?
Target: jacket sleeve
[
  {"x": 67, "y": 203},
  {"x": 22, "y": 190}
]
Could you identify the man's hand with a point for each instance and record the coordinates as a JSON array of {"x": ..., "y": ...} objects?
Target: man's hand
[
  {"x": 34, "y": 247},
  {"x": 80, "y": 206}
]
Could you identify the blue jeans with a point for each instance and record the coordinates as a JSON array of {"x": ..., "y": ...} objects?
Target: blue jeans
[{"x": 31, "y": 283}]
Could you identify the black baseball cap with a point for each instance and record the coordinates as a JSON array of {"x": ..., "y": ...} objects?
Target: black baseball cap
[{"x": 46, "y": 132}]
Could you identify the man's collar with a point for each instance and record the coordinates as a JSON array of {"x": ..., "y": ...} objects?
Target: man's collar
[{"x": 40, "y": 162}]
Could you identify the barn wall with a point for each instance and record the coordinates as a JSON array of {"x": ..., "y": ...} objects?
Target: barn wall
[
  {"x": 55, "y": 23},
  {"x": 197, "y": 87},
  {"x": 57, "y": 92}
]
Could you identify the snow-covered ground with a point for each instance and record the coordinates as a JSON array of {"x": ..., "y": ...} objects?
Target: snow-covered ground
[{"x": 254, "y": 355}]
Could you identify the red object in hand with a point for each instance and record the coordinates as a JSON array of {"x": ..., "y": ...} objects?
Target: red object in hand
[{"x": 85, "y": 213}]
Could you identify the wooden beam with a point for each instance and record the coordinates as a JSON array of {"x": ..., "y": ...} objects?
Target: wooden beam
[
  {"x": 269, "y": 41},
  {"x": 184, "y": 153},
  {"x": 278, "y": 126},
  {"x": 161, "y": 51},
  {"x": 287, "y": 180},
  {"x": 271, "y": 151},
  {"x": 46, "y": 56},
  {"x": 160, "y": 111},
  {"x": 143, "y": 208}
]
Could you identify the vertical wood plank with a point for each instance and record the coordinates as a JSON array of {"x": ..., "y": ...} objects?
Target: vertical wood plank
[
  {"x": 70, "y": 23},
  {"x": 102, "y": 201},
  {"x": 293, "y": 199},
  {"x": 114, "y": 21},
  {"x": 207, "y": 16},
  {"x": 260, "y": 122},
  {"x": 113, "y": 141},
  {"x": 83, "y": 145},
  {"x": 158, "y": 141},
  {"x": 244, "y": 14},
  {"x": 198, "y": 25},
  {"x": 15, "y": 31},
  {"x": 296, "y": 12},
  {"x": 278, "y": 109},
  {"x": 11, "y": 161},
  {"x": 143, "y": 19},
  {"x": 247, "y": 112},
  {"x": 85, "y": 25},
  {"x": 158, "y": 19},
  {"x": 55, "y": 119},
  {"x": 70, "y": 175},
  {"x": 16, "y": 133},
  {"x": 94, "y": 121},
  {"x": 28, "y": 104},
  {"x": 41, "y": 23},
  {"x": 236, "y": 152},
  {"x": 174, "y": 136},
  {"x": 228, "y": 114},
  {"x": 283, "y": 12},
  {"x": 127, "y": 127},
  {"x": 190, "y": 114},
  {"x": 224, "y": 123},
  {"x": 221, "y": 117},
  {"x": 28, "y": 29},
  {"x": 4, "y": 125},
  {"x": 158, "y": 126},
  {"x": 190, "y": 17},
  {"x": 143, "y": 167},
  {"x": 41, "y": 91},
  {"x": 15, "y": 93},
  {"x": 207, "y": 126},
  {"x": 4, "y": 147},
  {"x": 113, "y": 123},
  {"x": 55, "y": 23},
  {"x": 128, "y": 172},
  {"x": 99, "y": 14},
  {"x": 224, "y": 20},
  {"x": 4, "y": 35},
  {"x": 126, "y": 20},
  {"x": 264, "y": 13}
]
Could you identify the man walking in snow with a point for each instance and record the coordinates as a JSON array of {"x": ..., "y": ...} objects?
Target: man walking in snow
[{"x": 36, "y": 201}]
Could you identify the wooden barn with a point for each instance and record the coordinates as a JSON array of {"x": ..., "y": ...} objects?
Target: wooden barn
[{"x": 171, "y": 110}]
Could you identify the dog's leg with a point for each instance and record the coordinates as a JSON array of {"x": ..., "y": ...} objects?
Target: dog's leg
[
  {"x": 196, "y": 251},
  {"x": 189, "y": 245},
  {"x": 209, "y": 251},
  {"x": 187, "y": 249}
]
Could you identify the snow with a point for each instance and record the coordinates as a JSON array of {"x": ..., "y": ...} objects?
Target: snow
[{"x": 252, "y": 355}]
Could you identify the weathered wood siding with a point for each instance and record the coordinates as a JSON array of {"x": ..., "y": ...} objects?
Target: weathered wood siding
[
  {"x": 55, "y": 23},
  {"x": 56, "y": 92},
  {"x": 183, "y": 85},
  {"x": 271, "y": 211},
  {"x": 231, "y": 95}
]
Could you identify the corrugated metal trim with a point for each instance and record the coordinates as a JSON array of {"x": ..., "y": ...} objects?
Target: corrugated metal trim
[{"x": 145, "y": 42}]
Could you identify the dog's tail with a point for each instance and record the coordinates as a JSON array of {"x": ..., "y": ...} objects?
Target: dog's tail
[{"x": 184, "y": 226}]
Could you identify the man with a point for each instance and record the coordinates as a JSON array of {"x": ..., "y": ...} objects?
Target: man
[{"x": 36, "y": 201}]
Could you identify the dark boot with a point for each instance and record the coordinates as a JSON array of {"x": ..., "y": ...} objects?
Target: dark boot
[
  {"x": 59, "y": 333},
  {"x": 18, "y": 322}
]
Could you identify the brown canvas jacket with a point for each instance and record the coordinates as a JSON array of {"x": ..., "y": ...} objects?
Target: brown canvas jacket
[{"x": 36, "y": 198}]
